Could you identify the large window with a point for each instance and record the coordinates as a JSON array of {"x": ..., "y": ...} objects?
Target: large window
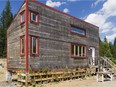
[
  {"x": 22, "y": 17},
  {"x": 34, "y": 45},
  {"x": 78, "y": 31},
  {"x": 22, "y": 42},
  {"x": 34, "y": 17},
  {"x": 78, "y": 50}
]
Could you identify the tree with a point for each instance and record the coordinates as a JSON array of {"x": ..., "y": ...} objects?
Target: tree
[
  {"x": 114, "y": 49},
  {"x": 5, "y": 20},
  {"x": 101, "y": 48},
  {"x": 111, "y": 48},
  {"x": 107, "y": 48}
]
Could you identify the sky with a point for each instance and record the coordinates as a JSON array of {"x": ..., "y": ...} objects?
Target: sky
[{"x": 101, "y": 13}]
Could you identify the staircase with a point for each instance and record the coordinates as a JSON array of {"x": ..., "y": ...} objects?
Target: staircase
[
  {"x": 102, "y": 65},
  {"x": 106, "y": 65}
]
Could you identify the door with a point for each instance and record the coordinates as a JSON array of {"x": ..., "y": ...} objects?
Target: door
[{"x": 92, "y": 55}]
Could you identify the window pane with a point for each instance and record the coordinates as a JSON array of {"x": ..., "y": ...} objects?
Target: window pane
[
  {"x": 77, "y": 30},
  {"x": 33, "y": 17},
  {"x": 84, "y": 51},
  {"x": 76, "y": 50},
  {"x": 22, "y": 17},
  {"x": 73, "y": 50},
  {"x": 34, "y": 45},
  {"x": 79, "y": 50},
  {"x": 22, "y": 45}
]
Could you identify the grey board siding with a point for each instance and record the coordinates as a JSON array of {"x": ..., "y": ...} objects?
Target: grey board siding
[
  {"x": 55, "y": 40},
  {"x": 15, "y": 61}
]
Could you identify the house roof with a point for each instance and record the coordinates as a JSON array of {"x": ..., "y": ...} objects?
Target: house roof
[{"x": 53, "y": 10}]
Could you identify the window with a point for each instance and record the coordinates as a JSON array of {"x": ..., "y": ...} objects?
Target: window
[
  {"x": 34, "y": 46},
  {"x": 78, "y": 50},
  {"x": 22, "y": 42},
  {"x": 34, "y": 17},
  {"x": 78, "y": 31},
  {"x": 22, "y": 17}
]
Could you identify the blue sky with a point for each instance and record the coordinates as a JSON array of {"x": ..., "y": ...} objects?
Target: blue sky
[{"x": 99, "y": 12}]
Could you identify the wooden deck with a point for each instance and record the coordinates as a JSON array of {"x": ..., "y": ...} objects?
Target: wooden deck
[{"x": 28, "y": 80}]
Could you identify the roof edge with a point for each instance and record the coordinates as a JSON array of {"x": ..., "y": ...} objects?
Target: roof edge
[
  {"x": 15, "y": 15},
  {"x": 63, "y": 13}
]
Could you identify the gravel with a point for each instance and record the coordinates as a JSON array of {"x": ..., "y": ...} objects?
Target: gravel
[
  {"x": 6, "y": 84},
  {"x": 90, "y": 82}
]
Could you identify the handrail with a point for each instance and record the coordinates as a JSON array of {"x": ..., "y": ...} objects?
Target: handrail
[
  {"x": 107, "y": 60},
  {"x": 111, "y": 61}
]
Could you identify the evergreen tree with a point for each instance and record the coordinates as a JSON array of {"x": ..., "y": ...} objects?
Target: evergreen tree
[
  {"x": 102, "y": 52},
  {"x": 114, "y": 49},
  {"x": 5, "y": 20},
  {"x": 107, "y": 51},
  {"x": 111, "y": 48},
  {"x": 8, "y": 16}
]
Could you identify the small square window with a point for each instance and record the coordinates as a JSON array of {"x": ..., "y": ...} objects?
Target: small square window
[{"x": 34, "y": 18}]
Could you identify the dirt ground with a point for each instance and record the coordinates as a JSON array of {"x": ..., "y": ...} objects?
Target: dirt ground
[
  {"x": 2, "y": 70},
  {"x": 82, "y": 83},
  {"x": 91, "y": 82}
]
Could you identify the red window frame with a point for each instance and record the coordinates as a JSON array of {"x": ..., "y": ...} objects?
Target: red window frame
[
  {"x": 78, "y": 45},
  {"x": 22, "y": 37},
  {"x": 74, "y": 33},
  {"x": 22, "y": 22},
  {"x": 37, "y": 17},
  {"x": 37, "y": 46}
]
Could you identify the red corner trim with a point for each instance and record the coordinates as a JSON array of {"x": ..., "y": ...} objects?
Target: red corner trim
[{"x": 26, "y": 35}]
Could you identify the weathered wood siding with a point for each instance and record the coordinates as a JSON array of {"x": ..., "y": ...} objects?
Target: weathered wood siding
[
  {"x": 13, "y": 43},
  {"x": 55, "y": 38}
]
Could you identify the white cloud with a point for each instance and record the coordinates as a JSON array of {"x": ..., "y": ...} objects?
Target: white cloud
[
  {"x": 111, "y": 37},
  {"x": 96, "y": 3},
  {"x": 54, "y": 4},
  {"x": 72, "y": 0},
  {"x": 114, "y": 30},
  {"x": 100, "y": 18},
  {"x": 66, "y": 10}
]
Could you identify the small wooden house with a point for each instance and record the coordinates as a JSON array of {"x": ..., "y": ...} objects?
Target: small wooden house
[{"x": 43, "y": 37}]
